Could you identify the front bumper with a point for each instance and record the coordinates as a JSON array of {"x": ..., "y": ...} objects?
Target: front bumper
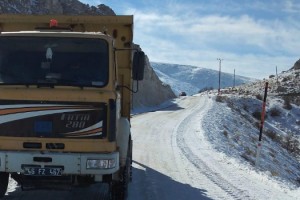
[{"x": 72, "y": 163}]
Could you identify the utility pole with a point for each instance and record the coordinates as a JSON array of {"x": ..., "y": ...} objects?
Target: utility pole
[
  {"x": 276, "y": 75},
  {"x": 234, "y": 78},
  {"x": 220, "y": 62}
]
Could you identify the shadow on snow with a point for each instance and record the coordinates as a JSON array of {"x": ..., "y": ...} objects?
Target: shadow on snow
[{"x": 149, "y": 184}]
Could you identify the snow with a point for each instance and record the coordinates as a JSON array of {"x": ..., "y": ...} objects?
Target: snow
[
  {"x": 204, "y": 147},
  {"x": 214, "y": 144},
  {"x": 192, "y": 79},
  {"x": 182, "y": 153},
  {"x": 237, "y": 131}
]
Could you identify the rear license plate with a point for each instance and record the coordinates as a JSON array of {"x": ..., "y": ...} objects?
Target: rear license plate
[{"x": 37, "y": 171}]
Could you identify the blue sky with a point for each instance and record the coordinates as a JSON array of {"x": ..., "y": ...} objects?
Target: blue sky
[{"x": 252, "y": 36}]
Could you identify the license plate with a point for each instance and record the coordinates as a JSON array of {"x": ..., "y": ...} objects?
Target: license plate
[{"x": 37, "y": 171}]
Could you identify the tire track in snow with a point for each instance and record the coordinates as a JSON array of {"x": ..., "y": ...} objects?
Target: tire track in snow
[{"x": 216, "y": 178}]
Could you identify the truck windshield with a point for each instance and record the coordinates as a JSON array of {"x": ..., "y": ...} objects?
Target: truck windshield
[{"x": 66, "y": 61}]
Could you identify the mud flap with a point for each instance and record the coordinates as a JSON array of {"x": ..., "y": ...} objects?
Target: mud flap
[{"x": 123, "y": 136}]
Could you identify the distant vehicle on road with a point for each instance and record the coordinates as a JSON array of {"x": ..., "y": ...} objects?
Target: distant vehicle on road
[{"x": 181, "y": 94}]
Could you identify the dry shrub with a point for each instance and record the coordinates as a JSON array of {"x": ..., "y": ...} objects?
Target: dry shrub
[
  {"x": 259, "y": 97},
  {"x": 225, "y": 133},
  {"x": 285, "y": 79},
  {"x": 287, "y": 103},
  {"x": 272, "y": 154},
  {"x": 257, "y": 115},
  {"x": 274, "y": 173},
  {"x": 276, "y": 161},
  {"x": 289, "y": 171},
  {"x": 291, "y": 143},
  {"x": 249, "y": 152},
  {"x": 271, "y": 134},
  {"x": 248, "y": 158},
  {"x": 257, "y": 124},
  {"x": 220, "y": 98},
  {"x": 274, "y": 112},
  {"x": 245, "y": 107}
]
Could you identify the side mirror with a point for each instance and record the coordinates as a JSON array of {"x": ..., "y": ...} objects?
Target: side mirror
[{"x": 138, "y": 66}]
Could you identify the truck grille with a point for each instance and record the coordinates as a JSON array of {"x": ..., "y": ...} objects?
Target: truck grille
[{"x": 53, "y": 120}]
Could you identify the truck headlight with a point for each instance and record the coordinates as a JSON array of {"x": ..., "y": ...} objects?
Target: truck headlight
[{"x": 100, "y": 163}]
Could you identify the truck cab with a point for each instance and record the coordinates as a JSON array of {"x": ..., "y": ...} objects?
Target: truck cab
[{"x": 66, "y": 98}]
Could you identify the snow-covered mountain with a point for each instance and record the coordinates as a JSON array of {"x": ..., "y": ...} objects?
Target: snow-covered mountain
[{"x": 192, "y": 79}]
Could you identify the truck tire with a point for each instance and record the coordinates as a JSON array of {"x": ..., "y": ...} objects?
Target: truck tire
[
  {"x": 4, "y": 176},
  {"x": 119, "y": 189},
  {"x": 128, "y": 168}
]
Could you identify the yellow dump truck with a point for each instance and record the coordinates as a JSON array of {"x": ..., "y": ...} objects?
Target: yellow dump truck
[{"x": 65, "y": 100}]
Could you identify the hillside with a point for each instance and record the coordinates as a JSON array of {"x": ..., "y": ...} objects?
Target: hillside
[
  {"x": 285, "y": 86},
  {"x": 192, "y": 79},
  {"x": 65, "y": 7},
  {"x": 236, "y": 125}
]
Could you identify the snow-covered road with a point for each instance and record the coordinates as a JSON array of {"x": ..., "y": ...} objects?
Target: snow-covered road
[
  {"x": 170, "y": 150},
  {"x": 173, "y": 159}
]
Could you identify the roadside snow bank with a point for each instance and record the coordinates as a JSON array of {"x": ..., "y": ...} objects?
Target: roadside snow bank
[{"x": 232, "y": 129}]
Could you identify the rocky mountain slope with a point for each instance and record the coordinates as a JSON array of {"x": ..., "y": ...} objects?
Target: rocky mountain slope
[
  {"x": 296, "y": 65},
  {"x": 152, "y": 91},
  {"x": 286, "y": 85},
  {"x": 65, "y": 7}
]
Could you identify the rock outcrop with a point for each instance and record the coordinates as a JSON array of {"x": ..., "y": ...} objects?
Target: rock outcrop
[
  {"x": 296, "y": 65},
  {"x": 152, "y": 91},
  {"x": 64, "y": 7}
]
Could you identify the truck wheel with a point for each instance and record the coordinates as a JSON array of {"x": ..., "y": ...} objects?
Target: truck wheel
[
  {"x": 4, "y": 176},
  {"x": 119, "y": 189},
  {"x": 130, "y": 160}
]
